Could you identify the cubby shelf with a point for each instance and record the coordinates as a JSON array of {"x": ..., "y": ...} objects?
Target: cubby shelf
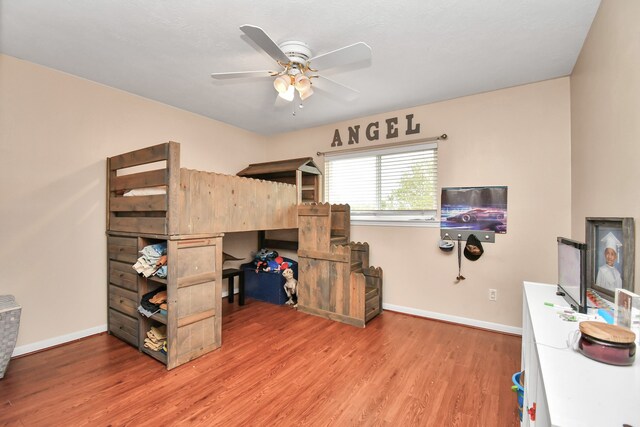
[
  {"x": 157, "y": 279},
  {"x": 159, "y": 356},
  {"x": 159, "y": 318},
  {"x": 193, "y": 288}
]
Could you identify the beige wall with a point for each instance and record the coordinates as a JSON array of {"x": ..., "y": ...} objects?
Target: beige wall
[
  {"x": 519, "y": 137},
  {"x": 605, "y": 119},
  {"x": 55, "y": 132}
]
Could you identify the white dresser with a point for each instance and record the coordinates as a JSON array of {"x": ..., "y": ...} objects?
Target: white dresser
[{"x": 567, "y": 388}]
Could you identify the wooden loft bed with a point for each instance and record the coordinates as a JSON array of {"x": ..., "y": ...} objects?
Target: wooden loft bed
[{"x": 189, "y": 211}]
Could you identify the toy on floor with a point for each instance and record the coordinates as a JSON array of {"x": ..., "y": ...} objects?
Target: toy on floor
[{"x": 290, "y": 287}]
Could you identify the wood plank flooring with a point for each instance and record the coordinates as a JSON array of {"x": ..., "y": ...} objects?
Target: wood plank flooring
[{"x": 277, "y": 367}]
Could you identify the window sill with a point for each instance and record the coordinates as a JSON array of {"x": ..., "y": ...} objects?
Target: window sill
[{"x": 395, "y": 223}]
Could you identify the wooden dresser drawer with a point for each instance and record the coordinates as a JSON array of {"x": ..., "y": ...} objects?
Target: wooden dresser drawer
[
  {"x": 123, "y": 300},
  {"x": 123, "y": 275},
  {"x": 123, "y": 249},
  {"x": 123, "y": 327}
]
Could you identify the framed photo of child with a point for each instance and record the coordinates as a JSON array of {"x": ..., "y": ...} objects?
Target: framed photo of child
[{"x": 610, "y": 254}]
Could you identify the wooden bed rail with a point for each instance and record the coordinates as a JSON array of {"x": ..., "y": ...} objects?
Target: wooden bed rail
[
  {"x": 193, "y": 202},
  {"x": 154, "y": 214},
  {"x": 157, "y": 153}
]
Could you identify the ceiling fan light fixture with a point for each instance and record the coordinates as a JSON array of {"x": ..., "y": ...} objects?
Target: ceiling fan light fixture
[
  {"x": 282, "y": 84},
  {"x": 304, "y": 94},
  {"x": 302, "y": 82},
  {"x": 288, "y": 94}
]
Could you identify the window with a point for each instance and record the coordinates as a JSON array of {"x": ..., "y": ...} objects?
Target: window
[{"x": 395, "y": 184}]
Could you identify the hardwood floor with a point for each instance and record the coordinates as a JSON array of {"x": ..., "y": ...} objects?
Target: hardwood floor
[{"x": 277, "y": 367}]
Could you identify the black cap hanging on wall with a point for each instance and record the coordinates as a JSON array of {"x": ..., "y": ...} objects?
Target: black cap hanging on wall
[{"x": 473, "y": 249}]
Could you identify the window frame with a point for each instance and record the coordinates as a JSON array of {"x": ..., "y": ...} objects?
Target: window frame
[{"x": 401, "y": 218}]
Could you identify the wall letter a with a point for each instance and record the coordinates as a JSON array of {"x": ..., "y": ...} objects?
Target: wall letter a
[{"x": 336, "y": 139}]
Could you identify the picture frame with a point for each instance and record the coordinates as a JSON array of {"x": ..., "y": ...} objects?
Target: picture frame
[
  {"x": 474, "y": 208},
  {"x": 610, "y": 254},
  {"x": 627, "y": 305}
]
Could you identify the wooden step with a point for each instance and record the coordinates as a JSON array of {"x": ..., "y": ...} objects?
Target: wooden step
[
  {"x": 356, "y": 266},
  {"x": 370, "y": 293},
  {"x": 372, "y": 303},
  {"x": 371, "y": 312},
  {"x": 338, "y": 240}
]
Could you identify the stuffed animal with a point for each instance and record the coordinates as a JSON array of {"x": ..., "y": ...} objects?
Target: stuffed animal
[{"x": 290, "y": 287}]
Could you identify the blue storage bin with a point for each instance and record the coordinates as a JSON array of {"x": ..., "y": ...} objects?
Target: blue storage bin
[
  {"x": 267, "y": 286},
  {"x": 515, "y": 379}
]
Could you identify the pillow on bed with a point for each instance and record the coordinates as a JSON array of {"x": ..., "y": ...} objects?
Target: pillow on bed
[{"x": 150, "y": 191}]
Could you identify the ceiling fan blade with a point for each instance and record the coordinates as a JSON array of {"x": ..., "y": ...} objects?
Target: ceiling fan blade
[
  {"x": 334, "y": 88},
  {"x": 243, "y": 74},
  {"x": 265, "y": 42},
  {"x": 346, "y": 55}
]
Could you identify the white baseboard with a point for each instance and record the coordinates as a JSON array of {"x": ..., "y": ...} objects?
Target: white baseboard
[
  {"x": 454, "y": 319},
  {"x": 41, "y": 345}
]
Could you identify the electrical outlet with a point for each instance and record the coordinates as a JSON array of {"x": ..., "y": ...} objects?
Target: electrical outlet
[{"x": 493, "y": 294}]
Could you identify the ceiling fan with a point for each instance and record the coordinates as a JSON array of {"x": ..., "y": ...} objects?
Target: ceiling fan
[{"x": 298, "y": 67}]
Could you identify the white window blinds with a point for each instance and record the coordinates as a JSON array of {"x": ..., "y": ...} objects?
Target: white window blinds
[{"x": 396, "y": 183}]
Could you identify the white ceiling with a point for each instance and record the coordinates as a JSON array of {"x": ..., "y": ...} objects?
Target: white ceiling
[{"x": 423, "y": 50}]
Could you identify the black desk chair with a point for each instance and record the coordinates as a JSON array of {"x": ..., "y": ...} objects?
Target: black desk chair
[{"x": 231, "y": 273}]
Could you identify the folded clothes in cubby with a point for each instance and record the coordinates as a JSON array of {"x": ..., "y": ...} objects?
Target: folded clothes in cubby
[{"x": 153, "y": 260}]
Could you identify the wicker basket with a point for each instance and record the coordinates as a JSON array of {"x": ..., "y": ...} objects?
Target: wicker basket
[{"x": 9, "y": 324}]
